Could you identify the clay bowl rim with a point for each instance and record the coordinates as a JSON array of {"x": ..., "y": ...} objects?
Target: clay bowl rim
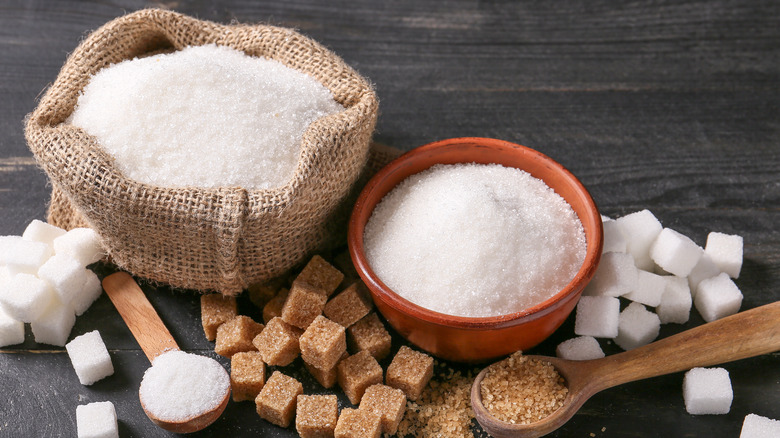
[{"x": 381, "y": 291}]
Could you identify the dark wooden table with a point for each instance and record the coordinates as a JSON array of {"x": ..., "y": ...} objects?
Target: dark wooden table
[{"x": 669, "y": 106}]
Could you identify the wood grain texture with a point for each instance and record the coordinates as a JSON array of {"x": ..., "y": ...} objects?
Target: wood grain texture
[
  {"x": 669, "y": 106},
  {"x": 139, "y": 315}
]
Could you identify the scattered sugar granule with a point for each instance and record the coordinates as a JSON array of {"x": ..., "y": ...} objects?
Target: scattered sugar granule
[
  {"x": 522, "y": 390},
  {"x": 443, "y": 410},
  {"x": 206, "y": 116},
  {"x": 181, "y": 385},
  {"x": 474, "y": 240}
]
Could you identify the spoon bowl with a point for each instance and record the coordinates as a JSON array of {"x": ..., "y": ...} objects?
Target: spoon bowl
[
  {"x": 154, "y": 339},
  {"x": 194, "y": 423},
  {"x": 746, "y": 334}
]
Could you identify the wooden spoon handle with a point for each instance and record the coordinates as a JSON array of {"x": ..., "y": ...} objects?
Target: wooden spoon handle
[
  {"x": 746, "y": 334},
  {"x": 139, "y": 315}
]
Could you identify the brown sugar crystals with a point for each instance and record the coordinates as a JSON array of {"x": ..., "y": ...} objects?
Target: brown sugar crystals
[
  {"x": 521, "y": 390},
  {"x": 443, "y": 409}
]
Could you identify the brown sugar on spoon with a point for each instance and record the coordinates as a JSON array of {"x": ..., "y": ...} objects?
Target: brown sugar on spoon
[{"x": 522, "y": 390}]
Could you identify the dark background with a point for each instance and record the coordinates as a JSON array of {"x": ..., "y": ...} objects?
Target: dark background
[{"x": 669, "y": 106}]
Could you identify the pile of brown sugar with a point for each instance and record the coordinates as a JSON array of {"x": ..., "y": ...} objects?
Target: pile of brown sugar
[
  {"x": 443, "y": 410},
  {"x": 521, "y": 390}
]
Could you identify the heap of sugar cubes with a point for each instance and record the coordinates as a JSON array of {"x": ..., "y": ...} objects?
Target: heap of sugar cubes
[
  {"x": 661, "y": 274},
  {"x": 310, "y": 320},
  {"x": 44, "y": 282}
]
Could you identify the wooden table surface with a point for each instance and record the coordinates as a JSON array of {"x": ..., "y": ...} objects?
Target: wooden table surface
[{"x": 667, "y": 106}]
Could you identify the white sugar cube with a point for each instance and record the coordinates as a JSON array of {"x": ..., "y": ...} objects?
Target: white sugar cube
[
  {"x": 89, "y": 357},
  {"x": 597, "y": 317},
  {"x": 580, "y": 348},
  {"x": 675, "y": 252},
  {"x": 640, "y": 228},
  {"x": 615, "y": 275},
  {"x": 707, "y": 391},
  {"x": 26, "y": 297},
  {"x": 96, "y": 420},
  {"x": 703, "y": 270},
  {"x": 717, "y": 297},
  {"x": 637, "y": 326},
  {"x": 88, "y": 293},
  {"x": 54, "y": 326},
  {"x": 23, "y": 256},
  {"x": 676, "y": 301},
  {"x": 649, "y": 289},
  {"x": 65, "y": 274},
  {"x": 5, "y": 275},
  {"x": 756, "y": 426},
  {"x": 11, "y": 330},
  {"x": 659, "y": 270},
  {"x": 726, "y": 252},
  {"x": 82, "y": 244},
  {"x": 614, "y": 239},
  {"x": 40, "y": 231}
]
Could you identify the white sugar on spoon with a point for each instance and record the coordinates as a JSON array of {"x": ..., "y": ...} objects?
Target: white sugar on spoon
[
  {"x": 181, "y": 392},
  {"x": 180, "y": 386}
]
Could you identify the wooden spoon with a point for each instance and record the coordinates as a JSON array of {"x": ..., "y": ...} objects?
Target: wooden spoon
[
  {"x": 746, "y": 334},
  {"x": 154, "y": 339}
]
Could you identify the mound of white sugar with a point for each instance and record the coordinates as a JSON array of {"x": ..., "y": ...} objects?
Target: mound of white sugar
[
  {"x": 474, "y": 240},
  {"x": 181, "y": 385},
  {"x": 205, "y": 116}
]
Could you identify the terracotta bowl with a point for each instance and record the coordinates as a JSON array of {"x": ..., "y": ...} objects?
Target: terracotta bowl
[{"x": 468, "y": 339}]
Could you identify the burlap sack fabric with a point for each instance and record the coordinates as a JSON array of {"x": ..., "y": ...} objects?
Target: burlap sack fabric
[{"x": 205, "y": 239}]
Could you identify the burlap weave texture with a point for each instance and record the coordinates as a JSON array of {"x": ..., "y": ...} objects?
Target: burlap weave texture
[{"x": 205, "y": 239}]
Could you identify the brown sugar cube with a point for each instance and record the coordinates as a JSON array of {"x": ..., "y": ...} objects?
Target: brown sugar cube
[
  {"x": 410, "y": 371},
  {"x": 278, "y": 342},
  {"x": 303, "y": 304},
  {"x": 389, "y": 403},
  {"x": 237, "y": 335},
  {"x": 261, "y": 293},
  {"x": 316, "y": 415},
  {"x": 357, "y": 423},
  {"x": 276, "y": 401},
  {"x": 327, "y": 377},
  {"x": 320, "y": 274},
  {"x": 247, "y": 375},
  {"x": 273, "y": 308},
  {"x": 356, "y": 373},
  {"x": 323, "y": 343},
  {"x": 349, "y": 306},
  {"x": 369, "y": 334},
  {"x": 216, "y": 309}
]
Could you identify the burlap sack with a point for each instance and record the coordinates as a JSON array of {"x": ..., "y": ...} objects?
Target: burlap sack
[{"x": 205, "y": 239}]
